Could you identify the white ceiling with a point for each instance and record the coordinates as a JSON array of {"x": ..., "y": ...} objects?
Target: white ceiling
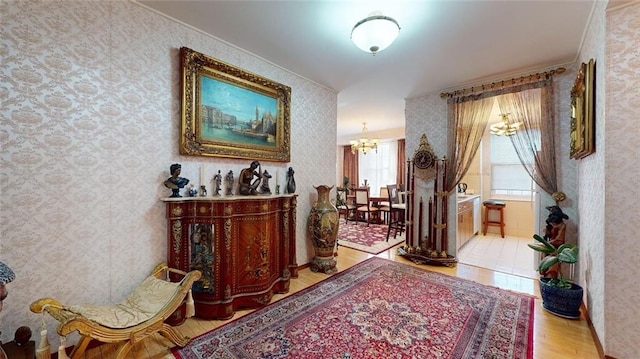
[{"x": 442, "y": 45}]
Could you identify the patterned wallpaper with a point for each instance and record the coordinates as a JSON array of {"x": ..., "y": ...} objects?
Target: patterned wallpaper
[
  {"x": 590, "y": 177},
  {"x": 90, "y": 125},
  {"x": 427, "y": 115},
  {"x": 621, "y": 139}
]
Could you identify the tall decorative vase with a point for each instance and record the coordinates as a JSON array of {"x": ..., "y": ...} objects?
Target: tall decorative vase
[{"x": 323, "y": 230}]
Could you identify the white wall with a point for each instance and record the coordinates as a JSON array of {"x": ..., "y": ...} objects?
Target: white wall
[
  {"x": 389, "y": 134},
  {"x": 90, "y": 124}
]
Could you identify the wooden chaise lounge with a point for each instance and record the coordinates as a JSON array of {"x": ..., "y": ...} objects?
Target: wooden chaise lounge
[{"x": 142, "y": 314}]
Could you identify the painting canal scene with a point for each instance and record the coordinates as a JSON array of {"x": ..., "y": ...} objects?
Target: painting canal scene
[
  {"x": 228, "y": 112},
  {"x": 237, "y": 115}
]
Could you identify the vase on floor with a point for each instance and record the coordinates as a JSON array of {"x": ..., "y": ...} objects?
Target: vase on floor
[{"x": 323, "y": 231}]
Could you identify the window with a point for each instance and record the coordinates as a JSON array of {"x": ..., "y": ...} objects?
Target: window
[
  {"x": 508, "y": 175},
  {"x": 379, "y": 169}
]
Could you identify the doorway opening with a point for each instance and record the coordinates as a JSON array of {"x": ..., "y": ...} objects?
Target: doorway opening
[{"x": 496, "y": 174}]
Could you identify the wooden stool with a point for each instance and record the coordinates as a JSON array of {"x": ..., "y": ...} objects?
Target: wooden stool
[{"x": 496, "y": 206}]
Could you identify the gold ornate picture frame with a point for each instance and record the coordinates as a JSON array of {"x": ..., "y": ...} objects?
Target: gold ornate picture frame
[
  {"x": 583, "y": 141},
  {"x": 229, "y": 112}
]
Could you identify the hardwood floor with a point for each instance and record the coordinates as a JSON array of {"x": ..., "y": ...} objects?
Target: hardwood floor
[{"x": 553, "y": 337}]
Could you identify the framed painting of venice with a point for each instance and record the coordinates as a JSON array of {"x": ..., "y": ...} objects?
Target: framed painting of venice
[{"x": 229, "y": 112}]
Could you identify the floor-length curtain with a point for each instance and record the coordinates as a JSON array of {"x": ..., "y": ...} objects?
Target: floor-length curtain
[
  {"x": 402, "y": 163},
  {"x": 534, "y": 142},
  {"x": 467, "y": 122},
  {"x": 350, "y": 166}
]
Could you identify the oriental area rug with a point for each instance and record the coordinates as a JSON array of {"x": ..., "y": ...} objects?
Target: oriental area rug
[
  {"x": 371, "y": 239},
  {"x": 379, "y": 309}
]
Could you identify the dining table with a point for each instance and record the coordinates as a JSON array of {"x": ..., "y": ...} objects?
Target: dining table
[{"x": 376, "y": 201}]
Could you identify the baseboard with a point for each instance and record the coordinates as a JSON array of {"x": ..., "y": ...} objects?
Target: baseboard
[
  {"x": 594, "y": 334},
  {"x": 299, "y": 268}
]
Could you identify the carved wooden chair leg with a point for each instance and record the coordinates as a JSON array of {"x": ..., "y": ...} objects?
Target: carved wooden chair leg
[
  {"x": 80, "y": 347},
  {"x": 174, "y": 336},
  {"x": 123, "y": 350}
]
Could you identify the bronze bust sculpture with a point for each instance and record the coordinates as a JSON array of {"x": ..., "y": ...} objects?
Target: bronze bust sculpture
[{"x": 175, "y": 182}]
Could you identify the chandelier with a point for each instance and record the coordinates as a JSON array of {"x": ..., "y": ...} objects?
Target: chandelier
[
  {"x": 375, "y": 32},
  {"x": 504, "y": 127},
  {"x": 364, "y": 144}
]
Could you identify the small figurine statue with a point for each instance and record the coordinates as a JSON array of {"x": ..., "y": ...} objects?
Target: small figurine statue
[
  {"x": 264, "y": 188},
  {"x": 554, "y": 231},
  {"x": 217, "y": 180},
  {"x": 175, "y": 182},
  {"x": 291, "y": 182},
  {"x": 228, "y": 179},
  {"x": 203, "y": 191},
  {"x": 247, "y": 183},
  {"x": 193, "y": 192}
]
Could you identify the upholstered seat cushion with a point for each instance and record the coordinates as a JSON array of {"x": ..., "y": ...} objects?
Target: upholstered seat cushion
[
  {"x": 145, "y": 301},
  {"x": 345, "y": 206},
  {"x": 494, "y": 203}
]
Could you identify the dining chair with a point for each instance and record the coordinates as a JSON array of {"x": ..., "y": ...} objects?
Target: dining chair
[
  {"x": 402, "y": 193},
  {"x": 384, "y": 206},
  {"x": 364, "y": 207},
  {"x": 397, "y": 212}
]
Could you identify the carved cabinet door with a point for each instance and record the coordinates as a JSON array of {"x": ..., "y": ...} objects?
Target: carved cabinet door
[{"x": 257, "y": 251}]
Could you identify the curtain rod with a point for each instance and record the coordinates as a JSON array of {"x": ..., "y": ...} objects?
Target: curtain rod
[{"x": 499, "y": 85}]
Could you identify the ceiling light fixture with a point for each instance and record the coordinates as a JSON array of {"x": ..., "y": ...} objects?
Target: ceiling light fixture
[
  {"x": 504, "y": 127},
  {"x": 364, "y": 144},
  {"x": 375, "y": 32}
]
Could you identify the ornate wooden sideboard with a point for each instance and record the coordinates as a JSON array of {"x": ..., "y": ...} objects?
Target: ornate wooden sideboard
[{"x": 245, "y": 247}]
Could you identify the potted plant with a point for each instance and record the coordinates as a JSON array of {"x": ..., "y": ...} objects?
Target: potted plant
[
  {"x": 560, "y": 295},
  {"x": 341, "y": 202}
]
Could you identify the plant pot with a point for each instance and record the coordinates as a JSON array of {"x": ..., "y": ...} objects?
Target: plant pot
[{"x": 563, "y": 302}]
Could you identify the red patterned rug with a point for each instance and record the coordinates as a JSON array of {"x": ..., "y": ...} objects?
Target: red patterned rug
[
  {"x": 379, "y": 309},
  {"x": 371, "y": 239}
]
